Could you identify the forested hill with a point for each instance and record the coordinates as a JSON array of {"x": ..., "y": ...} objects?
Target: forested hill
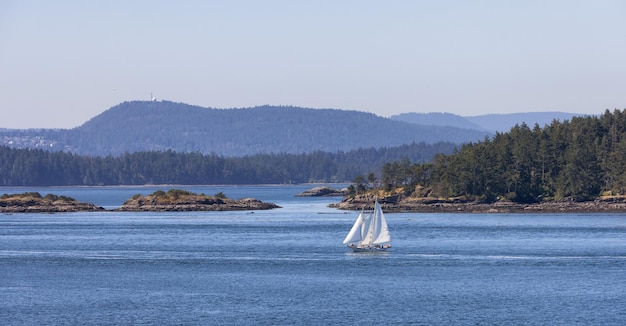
[
  {"x": 579, "y": 159},
  {"x": 161, "y": 125},
  {"x": 36, "y": 167}
]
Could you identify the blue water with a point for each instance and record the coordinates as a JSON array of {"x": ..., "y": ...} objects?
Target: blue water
[{"x": 287, "y": 266}]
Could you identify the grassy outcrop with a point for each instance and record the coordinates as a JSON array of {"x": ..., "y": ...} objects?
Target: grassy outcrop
[
  {"x": 33, "y": 202},
  {"x": 182, "y": 200}
]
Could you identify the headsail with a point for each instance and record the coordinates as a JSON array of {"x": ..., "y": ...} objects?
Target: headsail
[{"x": 355, "y": 233}]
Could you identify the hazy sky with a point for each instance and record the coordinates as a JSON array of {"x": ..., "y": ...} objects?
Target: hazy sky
[{"x": 63, "y": 62}]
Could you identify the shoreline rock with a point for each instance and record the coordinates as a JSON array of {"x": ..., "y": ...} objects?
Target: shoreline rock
[
  {"x": 183, "y": 201},
  {"x": 599, "y": 205},
  {"x": 172, "y": 201},
  {"x": 245, "y": 204},
  {"x": 33, "y": 202}
]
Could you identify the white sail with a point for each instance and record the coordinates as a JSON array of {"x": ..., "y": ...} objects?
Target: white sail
[
  {"x": 382, "y": 232},
  {"x": 355, "y": 233},
  {"x": 367, "y": 230}
]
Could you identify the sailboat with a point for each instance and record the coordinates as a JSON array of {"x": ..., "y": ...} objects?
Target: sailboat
[{"x": 369, "y": 232}]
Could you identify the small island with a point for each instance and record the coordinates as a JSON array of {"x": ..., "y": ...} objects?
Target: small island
[
  {"x": 323, "y": 192},
  {"x": 159, "y": 201},
  {"x": 182, "y": 200},
  {"x": 33, "y": 202}
]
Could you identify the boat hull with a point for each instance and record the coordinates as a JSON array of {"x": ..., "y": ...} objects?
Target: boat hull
[{"x": 369, "y": 249}]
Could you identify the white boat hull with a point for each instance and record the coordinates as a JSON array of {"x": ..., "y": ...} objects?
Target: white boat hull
[{"x": 369, "y": 248}]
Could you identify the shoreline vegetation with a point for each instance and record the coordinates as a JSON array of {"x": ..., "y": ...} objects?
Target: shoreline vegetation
[{"x": 159, "y": 201}]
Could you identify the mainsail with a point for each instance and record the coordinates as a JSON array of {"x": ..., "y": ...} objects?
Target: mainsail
[{"x": 382, "y": 232}]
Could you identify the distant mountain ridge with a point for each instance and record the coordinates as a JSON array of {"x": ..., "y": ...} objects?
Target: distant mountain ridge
[
  {"x": 488, "y": 122},
  {"x": 162, "y": 125},
  {"x": 437, "y": 119},
  {"x": 504, "y": 122}
]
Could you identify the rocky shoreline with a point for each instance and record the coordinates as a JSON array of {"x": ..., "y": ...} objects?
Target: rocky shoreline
[
  {"x": 244, "y": 204},
  {"x": 176, "y": 200},
  {"x": 182, "y": 201},
  {"x": 599, "y": 205},
  {"x": 160, "y": 201}
]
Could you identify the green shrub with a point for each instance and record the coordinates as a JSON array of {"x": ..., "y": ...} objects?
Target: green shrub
[
  {"x": 32, "y": 194},
  {"x": 158, "y": 193}
]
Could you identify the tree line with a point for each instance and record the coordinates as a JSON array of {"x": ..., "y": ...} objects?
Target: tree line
[
  {"x": 579, "y": 159},
  {"x": 36, "y": 167}
]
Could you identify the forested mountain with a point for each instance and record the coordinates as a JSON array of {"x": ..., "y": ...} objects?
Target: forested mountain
[
  {"x": 36, "y": 167},
  {"x": 161, "y": 125},
  {"x": 578, "y": 159}
]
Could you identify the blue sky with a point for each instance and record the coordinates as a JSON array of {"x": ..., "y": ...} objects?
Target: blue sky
[{"x": 63, "y": 62}]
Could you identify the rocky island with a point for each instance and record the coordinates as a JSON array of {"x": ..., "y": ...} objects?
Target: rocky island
[
  {"x": 159, "y": 201},
  {"x": 400, "y": 204},
  {"x": 323, "y": 192},
  {"x": 181, "y": 200},
  {"x": 33, "y": 202}
]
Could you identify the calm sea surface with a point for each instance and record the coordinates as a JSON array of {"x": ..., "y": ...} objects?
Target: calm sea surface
[{"x": 288, "y": 266}]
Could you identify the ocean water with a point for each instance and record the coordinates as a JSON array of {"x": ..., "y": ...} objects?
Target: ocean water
[{"x": 288, "y": 267}]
